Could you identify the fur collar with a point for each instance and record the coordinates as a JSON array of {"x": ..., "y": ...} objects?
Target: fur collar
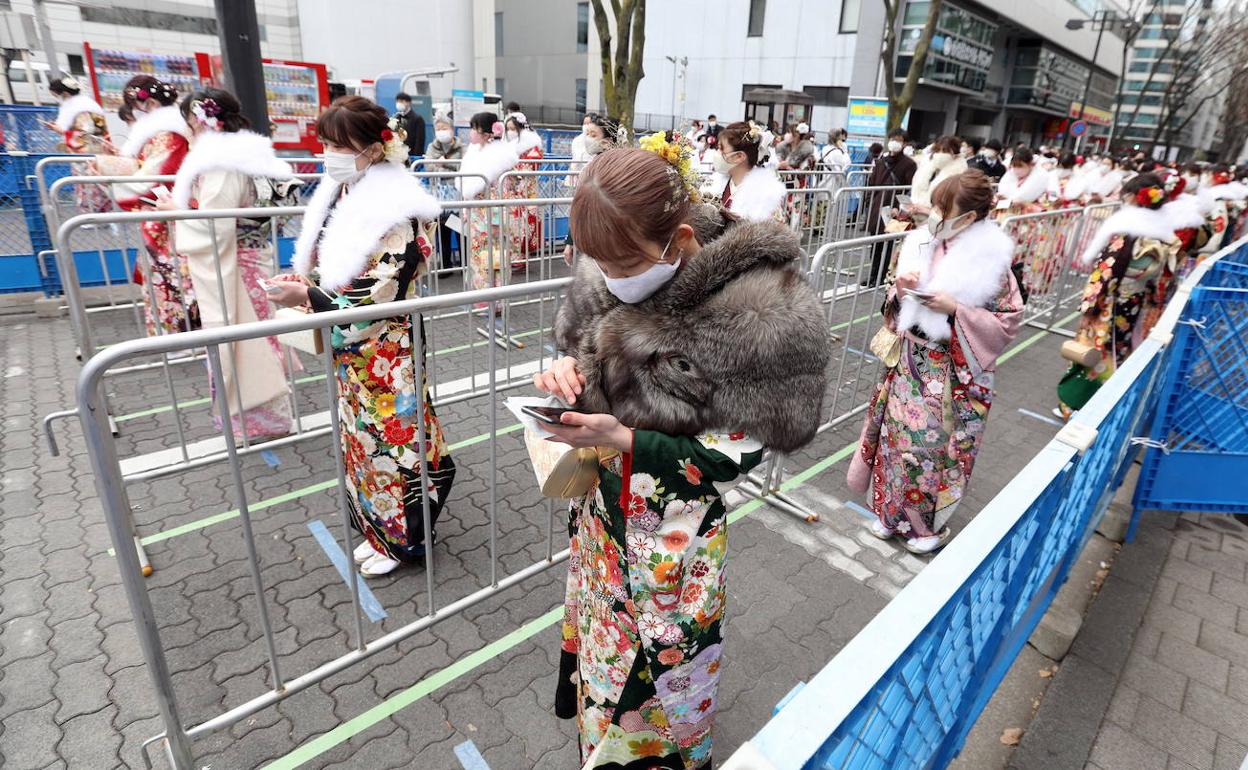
[
  {"x": 1229, "y": 191},
  {"x": 740, "y": 248},
  {"x": 1108, "y": 183},
  {"x": 1035, "y": 185},
  {"x": 74, "y": 106},
  {"x": 157, "y": 121},
  {"x": 971, "y": 271},
  {"x": 491, "y": 160},
  {"x": 528, "y": 140},
  {"x": 245, "y": 152},
  {"x": 758, "y": 196},
  {"x": 385, "y": 196},
  {"x": 927, "y": 176},
  {"x": 1128, "y": 220},
  {"x": 1183, "y": 212}
]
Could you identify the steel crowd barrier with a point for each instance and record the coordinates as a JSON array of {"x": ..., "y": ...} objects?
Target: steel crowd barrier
[{"x": 907, "y": 689}]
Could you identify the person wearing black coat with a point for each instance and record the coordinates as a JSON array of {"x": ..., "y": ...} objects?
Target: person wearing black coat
[
  {"x": 410, "y": 122},
  {"x": 892, "y": 169},
  {"x": 989, "y": 160}
]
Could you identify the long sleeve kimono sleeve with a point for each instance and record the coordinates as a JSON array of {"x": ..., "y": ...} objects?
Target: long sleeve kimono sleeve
[{"x": 161, "y": 156}]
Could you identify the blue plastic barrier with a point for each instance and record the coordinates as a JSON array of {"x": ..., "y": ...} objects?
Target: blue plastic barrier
[{"x": 907, "y": 689}]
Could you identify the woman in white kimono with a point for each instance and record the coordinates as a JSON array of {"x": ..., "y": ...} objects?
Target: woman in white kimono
[
  {"x": 488, "y": 157},
  {"x": 231, "y": 260},
  {"x": 944, "y": 162}
]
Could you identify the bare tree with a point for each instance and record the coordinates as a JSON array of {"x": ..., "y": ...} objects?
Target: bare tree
[
  {"x": 1167, "y": 54},
  {"x": 899, "y": 102},
  {"x": 1235, "y": 121},
  {"x": 621, "y": 56},
  {"x": 1136, "y": 11}
]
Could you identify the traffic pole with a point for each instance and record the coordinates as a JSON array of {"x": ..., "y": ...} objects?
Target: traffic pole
[{"x": 239, "y": 32}]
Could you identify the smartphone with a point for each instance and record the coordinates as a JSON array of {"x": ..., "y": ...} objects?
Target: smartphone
[
  {"x": 904, "y": 201},
  {"x": 150, "y": 201},
  {"x": 269, "y": 286},
  {"x": 547, "y": 414}
]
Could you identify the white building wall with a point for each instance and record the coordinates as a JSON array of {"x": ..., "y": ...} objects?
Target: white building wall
[{"x": 800, "y": 46}]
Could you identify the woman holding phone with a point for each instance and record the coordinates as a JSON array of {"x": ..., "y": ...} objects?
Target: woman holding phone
[
  {"x": 954, "y": 307},
  {"x": 366, "y": 238},
  {"x": 693, "y": 344}
]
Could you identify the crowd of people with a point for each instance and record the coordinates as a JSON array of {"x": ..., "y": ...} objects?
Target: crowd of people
[{"x": 691, "y": 340}]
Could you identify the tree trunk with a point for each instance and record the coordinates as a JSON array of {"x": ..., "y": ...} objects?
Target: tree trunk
[
  {"x": 898, "y": 103},
  {"x": 621, "y": 56}
]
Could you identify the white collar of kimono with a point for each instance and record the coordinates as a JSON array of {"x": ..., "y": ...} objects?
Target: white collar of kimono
[
  {"x": 971, "y": 270},
  {"x": 158, "y": 121},
  {"x": 1129, "y": 220},
  {"x": 73, "y": 107},
  {"x": 243, "y": 151},
  {"x": 385, "y": 196},
  {"x": 758, "y": 196}
]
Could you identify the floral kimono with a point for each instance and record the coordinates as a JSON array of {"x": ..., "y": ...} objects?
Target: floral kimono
[
  {"x": 368, "y": 244},
  {"x": 157, "y": 144},
  {"x": 228, "y": 259},
  {"x": 1129, "y": 257},
  {"x": 81, "y": 122},
  {"x": 925, "y": 423},
  {"x": 642, "y": 637},
  {"x": 486, "y": 226},
  {"x": 524, "y": 223}
]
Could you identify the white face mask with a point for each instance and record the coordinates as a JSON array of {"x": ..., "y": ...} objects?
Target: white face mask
[
  {"x": 1192, "y": 182},
  {"x": 990, "y": 154},
  {"x": 340, "y": 167},
  {"x": 710, "y": 123},
  {"x": 943, "y": 230},
  {"x": 941, "y": 159},
  {"x": 403, "y": 107},
  {"x": 444, "y": 135},
  {"x": 721, "y": 163},
  {"x": 595, "y": 146},
  {"x": 513, "y": 136},
  {"x": 908, "y": 151},
  {"x": 636, "y": 288},
  {"x": 894, "y": 146}
]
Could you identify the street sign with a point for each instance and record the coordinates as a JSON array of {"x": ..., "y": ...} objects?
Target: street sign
[
  {"x": 1078, "y": 128},
  {"x": 868, "y": 116}
]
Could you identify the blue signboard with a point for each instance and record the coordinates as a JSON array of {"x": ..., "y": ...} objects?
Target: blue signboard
[{"x": 868, "y": 116}]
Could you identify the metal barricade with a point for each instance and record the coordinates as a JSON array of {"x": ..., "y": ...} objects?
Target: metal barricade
[
  {"x": 853, "y": 209},
  {"x": 434, "y": 606},
  {"x": 1042, "y": 243}
]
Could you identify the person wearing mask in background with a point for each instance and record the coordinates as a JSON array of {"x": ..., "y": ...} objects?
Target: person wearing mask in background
[
  {"x": 445, "y": 147},
  {"x": 1023, "y": 185},
  {"x": 1111, "y": 179},
  {"x": 1064, "y": 187},
  {"x": 511, "y": 107},
  {"x": 524, "y": 225},
  {"x": 231, "y": 260},
  {"x": 751, "y": 192},
  {"x": 693, "y": 344},
  {"x": 84, "y": 130},
  {"x": 601, "y": 134},
  {"x": 1126, "y": 257},
  {"x": 989, "y": 160},
  {"x": 911, "y": 149},
  {"x": 156, "y": 146},
  {"x": 970, "y": 148},
  {"x": 944, "y": 162},
  {"x": 712, "y": 132},
  {"x": 874, "y": 152},
  {"x": 411, "y": 122},
  {"x": 579, "y": 155},
  {"x": 835, "y": 156},
  {"x": 892, "y": 169},
  {"x": 801, "y": 155},
  {"x": 487, "y": 158},
  {"x": 952, "y": 311},
  {"x": 364, "y": 239}
]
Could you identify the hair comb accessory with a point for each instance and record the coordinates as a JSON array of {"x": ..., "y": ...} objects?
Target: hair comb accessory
[
  {"x": 497, "y": 128},
  {"x": 207, "y": 112},
  {"x": 392, "y": 141},
  {"x": 1149, "y": 196},
  {"x": 679, "y": 155}
]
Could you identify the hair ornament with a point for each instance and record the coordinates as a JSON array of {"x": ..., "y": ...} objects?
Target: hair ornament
[
  {"x": 1149, "y": 196},
  {"x": 679, "y": 156},
  {"x": 497, "y": 128},
  {"x": 392, "y": 141},
  {"x": 207, "y": 112}
]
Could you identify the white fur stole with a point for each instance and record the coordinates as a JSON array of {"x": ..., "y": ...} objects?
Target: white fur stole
[
  {"x": 152, "y": 123},
  {"x": 1129, "y": 220},
  {"x": 490, "y": 160},
  {"x": 245, "y": 152},
  {"x": 758, "y": 197},
  {"x": 74, "y": 106}
]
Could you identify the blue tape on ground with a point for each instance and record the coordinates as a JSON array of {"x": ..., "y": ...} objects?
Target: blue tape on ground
[
  {"x": 858, "y": 509},
  {"x": 270, "y": 458},
  {"x": 368, "y": 602},
  {"x": 469, "y": 757}
]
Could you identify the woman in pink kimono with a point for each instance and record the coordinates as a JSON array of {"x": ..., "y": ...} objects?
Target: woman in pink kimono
[{"x": 953, "y": 309}]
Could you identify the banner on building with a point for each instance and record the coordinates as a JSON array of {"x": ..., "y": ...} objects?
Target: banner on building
[
  {"x": 1092, "y": 115},
  {"x": 868, "y": 116}
]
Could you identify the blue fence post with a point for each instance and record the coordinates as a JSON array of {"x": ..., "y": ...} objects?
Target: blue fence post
[{"x": 36, "y": 226}]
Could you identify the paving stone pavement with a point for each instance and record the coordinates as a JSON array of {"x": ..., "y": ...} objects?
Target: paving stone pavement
[{"x": 74, "y": 691}]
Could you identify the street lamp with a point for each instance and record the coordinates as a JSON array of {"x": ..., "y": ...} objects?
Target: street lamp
[
  {"x": 683, "y": 62},
  {"x": 1101, "y": 19}
]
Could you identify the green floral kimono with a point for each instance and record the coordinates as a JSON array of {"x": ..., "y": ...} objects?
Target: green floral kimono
[{"x": 645, "y": 602}]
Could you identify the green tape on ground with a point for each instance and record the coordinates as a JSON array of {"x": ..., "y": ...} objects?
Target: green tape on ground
[
  {"x": 395, "y": 703},
  {"x": 1033, "y": 339}
]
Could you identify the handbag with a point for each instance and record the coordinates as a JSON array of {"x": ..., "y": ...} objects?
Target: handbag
[
  {"x": 1080, "y": 352},
  {"x": 886, "y": 346},
  {"x": 564, "y": 472},
  {"x": 308, "y": 340}
]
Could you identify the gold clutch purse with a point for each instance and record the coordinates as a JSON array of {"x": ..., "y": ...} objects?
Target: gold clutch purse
[
  {"x": 1079, "y": 352},
  {"x": 308, "y": 340},
  {"x": 886, "y": 346},
  {"x": 564, "y": 472}
]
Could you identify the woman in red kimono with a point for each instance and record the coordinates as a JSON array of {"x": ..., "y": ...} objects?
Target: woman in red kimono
[
  {"x": 524, "y": 223},
  {"x": 158, "y": 141}
]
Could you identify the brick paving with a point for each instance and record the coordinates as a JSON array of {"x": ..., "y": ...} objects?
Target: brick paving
[{"x": 75, "y": 693}]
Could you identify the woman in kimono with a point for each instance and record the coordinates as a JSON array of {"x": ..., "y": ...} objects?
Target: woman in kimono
[
  {"x": 1023, "y": 186},
  {"x": 1128, "y": 256},
  {"x": 158, "y": 141},
  {"x": 945, "y": 161},
  {"x": 954, "y": 307},
  {"x": 750, "y": 191},
  {"x": 365, "y": 238},
  {"x": 230, "y": 260},
  {"x": 488, "y": 158},
  {"x": 524, "y": 223},
  {"x": 80, "y": 119},
  {"x": 671, "y": 327}
]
